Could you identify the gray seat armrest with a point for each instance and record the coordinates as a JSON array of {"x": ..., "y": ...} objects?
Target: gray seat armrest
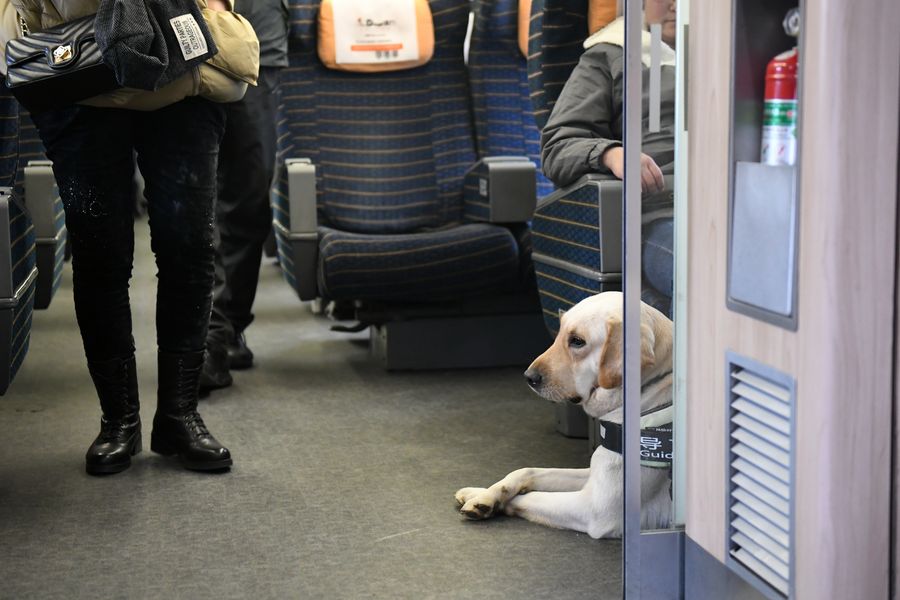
[
  {"x": 40, "y": 196},
  {"x": 501, "y": 189},
  {"x": 302, "y": 233},
  {"x": 46, "y": 210},
  {"x": 606, "y": 191},
  {"x": 302, "y": 195}
]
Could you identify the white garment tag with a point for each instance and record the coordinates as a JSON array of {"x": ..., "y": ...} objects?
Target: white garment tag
[
  {"x": 190, "y": 37},
  {"x": 375, "y": 32}
]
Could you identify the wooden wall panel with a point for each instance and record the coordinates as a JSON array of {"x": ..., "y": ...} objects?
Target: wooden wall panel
[
  {"x": 708, "y": 191},
  {"x": 848, "y": 246},
  {"x": 841, "y": 354}
]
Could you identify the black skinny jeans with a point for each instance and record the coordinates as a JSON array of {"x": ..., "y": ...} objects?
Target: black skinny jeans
[{"x": 92, "y": 150}]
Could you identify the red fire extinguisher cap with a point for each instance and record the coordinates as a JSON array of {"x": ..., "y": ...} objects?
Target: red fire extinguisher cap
[{"x": 781, "y": 76}]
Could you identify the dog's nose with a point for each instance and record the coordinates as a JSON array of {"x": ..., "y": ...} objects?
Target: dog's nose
[{"x": 534, "y": 377}]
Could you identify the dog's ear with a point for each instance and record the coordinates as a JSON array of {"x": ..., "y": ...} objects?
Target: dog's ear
[{"x": 609, "y": 375}]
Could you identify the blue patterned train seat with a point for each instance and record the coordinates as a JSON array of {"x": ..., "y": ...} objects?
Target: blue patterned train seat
[
  {"x": 36, "y": 185},
  {"x": 383, "y": 204},
  {"x": 387, "y": 157},
  {"x": 576, "y": 231},
  {"x": 577, "y": 245},
  {"x": 498, "y": 77},
  {"x": 18, "y": 271}
]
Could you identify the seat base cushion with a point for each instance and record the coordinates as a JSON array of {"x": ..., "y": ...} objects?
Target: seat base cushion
[{"x": 444, "y": 264}]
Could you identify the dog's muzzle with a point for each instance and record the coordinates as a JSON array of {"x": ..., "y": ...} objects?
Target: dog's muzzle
[{"x": 534, "y": 378}]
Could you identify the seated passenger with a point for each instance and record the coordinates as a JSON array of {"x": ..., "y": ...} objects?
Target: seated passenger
[{"x": 584, "y": 135}]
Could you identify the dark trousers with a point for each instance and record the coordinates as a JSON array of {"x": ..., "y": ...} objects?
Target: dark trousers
[
  {"x": 243, "y": 213},
  {"x": 92, "y": 150}
]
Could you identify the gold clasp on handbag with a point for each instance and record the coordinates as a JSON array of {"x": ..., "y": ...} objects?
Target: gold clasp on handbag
[{"x": 62, "y": 54}]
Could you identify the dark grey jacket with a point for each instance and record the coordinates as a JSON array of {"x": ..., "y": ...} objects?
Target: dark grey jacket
[
  {"x": 587, "y": 118},
  {"x": 270, "y": 20}
]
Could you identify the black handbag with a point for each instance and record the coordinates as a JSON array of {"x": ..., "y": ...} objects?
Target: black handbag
[{"x": 57, "y": 67}]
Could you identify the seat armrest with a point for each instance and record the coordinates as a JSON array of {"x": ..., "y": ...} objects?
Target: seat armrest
[
  {"x": 302, "y": 195},
  {"x": 45, "y": 207},
  {"x": 606, "y": 192},
  {"x": 296, "y": 228},
  {"x": 40, "y": 198},
  {"x": 500, "y": 189}
]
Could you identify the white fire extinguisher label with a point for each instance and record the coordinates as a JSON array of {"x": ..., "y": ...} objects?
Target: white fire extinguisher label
[{"x": 779, "y": 134}]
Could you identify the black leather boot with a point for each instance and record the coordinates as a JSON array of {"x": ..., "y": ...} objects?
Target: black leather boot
[
  {"x": 214, "y": 374},
  {"x": 120, "y": 425},
  {"x": 178, "y": 428}
]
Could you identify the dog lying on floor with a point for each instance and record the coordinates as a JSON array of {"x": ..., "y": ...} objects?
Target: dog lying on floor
[{"x": 584, "y": 366}]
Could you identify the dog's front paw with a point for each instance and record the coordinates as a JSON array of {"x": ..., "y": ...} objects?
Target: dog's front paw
[
  {"x": 478, "y": 503},
  {"x": 463, "y": 495}
]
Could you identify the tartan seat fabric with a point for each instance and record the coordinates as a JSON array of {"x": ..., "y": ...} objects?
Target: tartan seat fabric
[
  {"x": 498, "y": 76},
  {"x": 390, "y": 151}
]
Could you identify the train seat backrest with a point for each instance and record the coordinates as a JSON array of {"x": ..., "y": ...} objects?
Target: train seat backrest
[
  {"x": 9, "y": 138},
  {"x": 390, "y": 149},
  {"x": 557, "y": 30},
  {"x": 498, "y": 75}
]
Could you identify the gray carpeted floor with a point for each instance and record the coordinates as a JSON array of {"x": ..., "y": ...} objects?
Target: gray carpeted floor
[{"x": 342, "y": 486}]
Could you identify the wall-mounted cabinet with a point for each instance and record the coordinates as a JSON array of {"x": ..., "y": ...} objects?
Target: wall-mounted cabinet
[
  {"x": 829, "y": 326},
  {"x": 763, "y": 194}
]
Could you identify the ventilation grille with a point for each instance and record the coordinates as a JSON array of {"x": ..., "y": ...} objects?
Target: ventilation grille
[{"x": 761, "y": 472}]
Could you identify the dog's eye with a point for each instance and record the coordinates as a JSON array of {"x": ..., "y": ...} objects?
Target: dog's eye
[{"x": 576, "y": 342}]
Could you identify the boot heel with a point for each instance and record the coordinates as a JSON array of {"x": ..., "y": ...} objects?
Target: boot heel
[{"x": 137, "y": 446}]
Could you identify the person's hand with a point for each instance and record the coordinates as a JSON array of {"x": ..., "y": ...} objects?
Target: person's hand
[
  {"x": 651, "y": 175},
  {"x": 216, "y": 5}
]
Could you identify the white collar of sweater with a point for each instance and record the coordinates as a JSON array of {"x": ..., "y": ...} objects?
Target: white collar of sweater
[{"x": 614, "y": 34}]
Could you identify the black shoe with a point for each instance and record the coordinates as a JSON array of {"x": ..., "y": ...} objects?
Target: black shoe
[
  {"x": 215, "y": 373},
  {"x": 120, "y": 425},
  {"x": 239, "y": 355},
  {"x": 178, "y": 428}
]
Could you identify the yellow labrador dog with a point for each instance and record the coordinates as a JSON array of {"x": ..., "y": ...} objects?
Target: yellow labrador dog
[{"x": 584, "y": 366}]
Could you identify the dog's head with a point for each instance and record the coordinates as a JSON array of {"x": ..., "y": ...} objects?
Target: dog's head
[{"x": 584, "y": 364}]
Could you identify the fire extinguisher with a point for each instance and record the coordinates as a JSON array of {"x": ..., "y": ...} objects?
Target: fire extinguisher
[{"x": 779, "y": 131}]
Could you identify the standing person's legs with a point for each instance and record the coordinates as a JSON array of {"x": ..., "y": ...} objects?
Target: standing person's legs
[
  {"x": 91, "y": 150},
  {"x": 243, "y": 221},
  {"x": 177, "y": 153}
]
